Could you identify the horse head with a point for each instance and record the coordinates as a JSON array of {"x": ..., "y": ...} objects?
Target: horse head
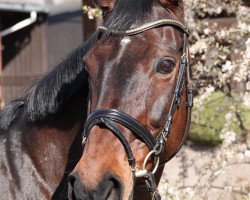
[{"x": 139, "y": 92}]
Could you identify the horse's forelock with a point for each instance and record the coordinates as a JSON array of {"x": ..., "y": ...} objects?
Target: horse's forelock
[{"x": 126, "y": 13}]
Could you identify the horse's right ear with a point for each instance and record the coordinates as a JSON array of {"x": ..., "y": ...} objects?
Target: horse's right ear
[{"x": 105, "y": 5}]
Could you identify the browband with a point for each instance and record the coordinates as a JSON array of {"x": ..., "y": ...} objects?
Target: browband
[{"x": 148, "y": 26}]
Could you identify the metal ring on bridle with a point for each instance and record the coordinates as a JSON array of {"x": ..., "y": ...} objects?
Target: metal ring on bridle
[
  {"x": 156, "y": 163},
  {"x": 144, "y": 171}
]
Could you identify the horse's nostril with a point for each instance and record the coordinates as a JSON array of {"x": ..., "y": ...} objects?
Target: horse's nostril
[
  {"x": 71, "y": 180},
  {"x": 109, "y": 188}
]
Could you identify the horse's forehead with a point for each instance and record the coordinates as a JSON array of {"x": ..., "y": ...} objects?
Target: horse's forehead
[{"x": 113, "y": 51}]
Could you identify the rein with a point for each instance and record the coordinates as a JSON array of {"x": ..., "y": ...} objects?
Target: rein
[{"x": 109, "y": 117}]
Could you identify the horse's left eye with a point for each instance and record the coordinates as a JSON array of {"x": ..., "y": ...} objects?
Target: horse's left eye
[{"x": 165, "y": 66}]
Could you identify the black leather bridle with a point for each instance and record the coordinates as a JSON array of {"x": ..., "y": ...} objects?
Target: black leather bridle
[{"x": 109, "y": 118}]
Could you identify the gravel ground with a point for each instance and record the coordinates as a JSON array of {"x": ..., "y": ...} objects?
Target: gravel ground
[{"x": 207, "y": 173}]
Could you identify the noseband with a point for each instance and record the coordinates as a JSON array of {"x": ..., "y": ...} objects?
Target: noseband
[{"x": 110, "y": 117}]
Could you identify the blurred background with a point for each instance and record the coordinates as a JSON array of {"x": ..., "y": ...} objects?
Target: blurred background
[
  {"x": 215, "y": 162},
  {"x": 35, "y": 36}
]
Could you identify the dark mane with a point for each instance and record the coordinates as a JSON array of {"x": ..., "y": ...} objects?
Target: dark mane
[
  {"x": 50, "y": 95},
  {"x": 56, "y": 88},
  {"x": 126, "y": 12}
]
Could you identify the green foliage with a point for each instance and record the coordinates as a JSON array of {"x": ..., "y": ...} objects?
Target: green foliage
[
  {"x": 245, "y": 115},
  {"x": 209, "y": 121}
]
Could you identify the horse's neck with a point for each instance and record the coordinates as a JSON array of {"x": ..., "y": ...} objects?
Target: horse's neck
[
  {"x": 34, "y": 161},
  {"x": 18, "y": 171}
]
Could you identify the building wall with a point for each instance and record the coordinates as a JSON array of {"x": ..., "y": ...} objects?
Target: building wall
[
  {"x": 24, "y": 59},
  {"x": 31, "y": 52},
  {"x": 1, "y": 100},
  {"x": 64, "y": 34}
]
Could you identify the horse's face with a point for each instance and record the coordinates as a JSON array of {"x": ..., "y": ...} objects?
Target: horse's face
[{"x": 135, "y": 75}]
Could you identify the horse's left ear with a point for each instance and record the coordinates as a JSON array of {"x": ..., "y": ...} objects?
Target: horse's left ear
[
  {"x": 105, "y": 5},
  {"x": 170, "y": 2}
]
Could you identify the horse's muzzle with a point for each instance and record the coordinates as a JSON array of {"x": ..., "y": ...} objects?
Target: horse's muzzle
[{"x": 110, "y": 188}]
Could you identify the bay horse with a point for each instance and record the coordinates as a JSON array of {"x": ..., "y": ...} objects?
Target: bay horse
[
  {"x": 140, "y": 100},
  {"x": 40, "y": 133}
]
